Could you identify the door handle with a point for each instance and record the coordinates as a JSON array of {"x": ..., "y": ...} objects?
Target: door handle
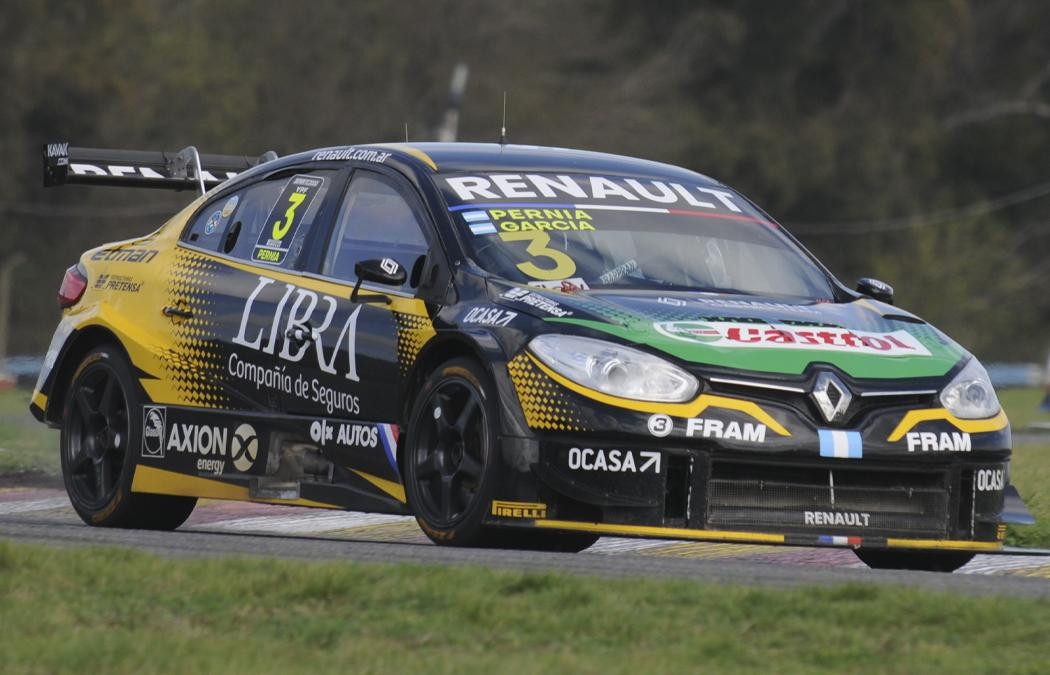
[
  {"x": 180, "y": 312},
  {"x": 300, "y": 333}
]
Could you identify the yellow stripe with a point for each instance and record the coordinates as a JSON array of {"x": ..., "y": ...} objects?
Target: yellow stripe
[
  {"x": 867, "y": 305},
  {"x": 914, "y": 417},
  {"x": 395, "y": 490},
  {"x": 164, "y": 482},
  {"x": 690, "y": 409},
  {"x": 415, "y": 152},
  {"x": 945, "y": 544},
  {"x": 40, "y": 400},
  {"x": 660, "y": 532}
]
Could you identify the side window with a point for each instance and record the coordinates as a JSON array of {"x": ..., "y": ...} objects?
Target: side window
[
  {"x": 375, "y": 221},
  {"x": 266, "y": 222}
]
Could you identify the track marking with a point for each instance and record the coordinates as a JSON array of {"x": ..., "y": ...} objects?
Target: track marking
[
  {"x": 1001, "y": 564},
  {"x": 31, "y": 505},
  {"x": 308, "y": 523},
  {"x": 699, "y": 550}
]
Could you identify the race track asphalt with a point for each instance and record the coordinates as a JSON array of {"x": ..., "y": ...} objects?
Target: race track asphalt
[{"x": 42, "y": 515}]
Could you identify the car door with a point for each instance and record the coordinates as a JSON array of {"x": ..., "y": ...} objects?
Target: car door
[
  {"x": 358, "y": 352},
  {"x": 232, "y": 282}
]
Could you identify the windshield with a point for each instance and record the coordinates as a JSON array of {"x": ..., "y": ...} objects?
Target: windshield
[{"x": 617, "y": 232}]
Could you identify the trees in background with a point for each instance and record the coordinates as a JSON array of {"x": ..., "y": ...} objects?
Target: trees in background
[{"x": 904, "y": 140}]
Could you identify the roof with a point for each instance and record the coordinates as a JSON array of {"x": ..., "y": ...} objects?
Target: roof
[{"x": 493, "y": 157}]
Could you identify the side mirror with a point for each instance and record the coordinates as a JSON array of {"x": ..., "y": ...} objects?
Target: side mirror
[
  {"x": 387, "y": 272},
  {"x": 874, "y": 288}
]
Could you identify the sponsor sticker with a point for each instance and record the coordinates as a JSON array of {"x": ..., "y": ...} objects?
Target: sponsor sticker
[
  {"x": 154, "y": 423},
  {"x": 660, "y": 425},
  {"x": 213, "y": 223},
  {"x": 929, "y": 441},
  {"x": 284, "y": 220},
  {"x": 116, "y": 282},
  {"x": 229, "y": 206},
  {"x": 731, "y": 431},
  {"x": 622, "y": 461},
  {"x": 489, "y": 316},
  {"x": 991, "y": 480},
  {"x": 782, "y": 336},
  {"x": 518, "y": 509},
  {"x": 837, "y": 518},
  {"x": 245, "y": 447},
  {"x": 537, "y": 301},
  {"x": 131, "y": 255}
]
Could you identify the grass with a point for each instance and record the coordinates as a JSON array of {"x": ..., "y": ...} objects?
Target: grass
[
  {"x": 26, "y": 446},
  {"x": 1022, "y": 406},
  {"x": 124, "y": 611}
]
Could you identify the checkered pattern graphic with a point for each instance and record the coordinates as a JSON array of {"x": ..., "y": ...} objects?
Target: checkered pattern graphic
[
  {"x": 412, "y": 333},
  {"x": 544, "y": 402},
  {"x": 193, "y": 363}
]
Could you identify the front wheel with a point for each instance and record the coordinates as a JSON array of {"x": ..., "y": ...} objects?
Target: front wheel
[
  {"x": 451, "y": 461},
  {"x": 928, "y": 561},
  {"x": 101, "y": 428}
]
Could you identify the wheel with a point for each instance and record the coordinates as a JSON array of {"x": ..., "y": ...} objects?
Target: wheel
[
  {"x": 929, "y": 561},
  {"x": 450, "y": 461},
  {"x": 101, "y": 428}
]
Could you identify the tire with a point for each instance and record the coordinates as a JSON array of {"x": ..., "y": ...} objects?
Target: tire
[
  {"x": 451, "y": 462},
  {"x": 928, "y": 561},
  {"x": 101, "y": 429}
]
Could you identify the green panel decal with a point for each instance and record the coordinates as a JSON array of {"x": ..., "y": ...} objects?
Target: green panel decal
[{"x": 905, "y": 350}]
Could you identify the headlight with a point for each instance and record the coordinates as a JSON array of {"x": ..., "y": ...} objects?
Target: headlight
[
  {"x": 970, "y": 394},
  {"x": 614, "y": 369}
]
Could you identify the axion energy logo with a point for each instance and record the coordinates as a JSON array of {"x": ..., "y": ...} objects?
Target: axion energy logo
[{"x": 780, "y": 336}]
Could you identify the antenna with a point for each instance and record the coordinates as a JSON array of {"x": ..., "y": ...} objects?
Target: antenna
[
  {"x": 406, "y": 132},
  {"x": 503, "y": 129}
]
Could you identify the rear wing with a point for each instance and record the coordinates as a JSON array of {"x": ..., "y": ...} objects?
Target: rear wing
[{"x": 183, "y": 170}]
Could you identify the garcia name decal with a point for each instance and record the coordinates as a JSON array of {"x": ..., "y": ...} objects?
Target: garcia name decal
[{"x": 781, "y": 336}]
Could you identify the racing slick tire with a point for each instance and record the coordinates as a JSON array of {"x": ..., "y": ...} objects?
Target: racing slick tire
[
  {"x": 928, "y": 561},
  {"x": 452, "y": 464},
  {"x": 101, "y": 429}
]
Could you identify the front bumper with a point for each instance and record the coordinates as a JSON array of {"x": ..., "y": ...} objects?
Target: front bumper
[{"x": 713, "y": 494}]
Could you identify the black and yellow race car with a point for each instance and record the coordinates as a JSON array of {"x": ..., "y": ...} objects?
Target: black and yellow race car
[{"x": 521, "y": 347}]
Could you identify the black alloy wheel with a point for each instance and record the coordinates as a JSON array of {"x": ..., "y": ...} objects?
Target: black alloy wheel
[
  {"x": 98, "y": 436},
  {"x": 451, "y": 447},
  {"x": 101, "y": 434}
]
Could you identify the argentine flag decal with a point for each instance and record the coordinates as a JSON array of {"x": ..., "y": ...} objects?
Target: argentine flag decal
[
  {"x": 842, "y": 444},
  {"x": 478, "y": 222}
]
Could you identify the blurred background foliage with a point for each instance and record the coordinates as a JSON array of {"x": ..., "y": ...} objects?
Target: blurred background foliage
[{"x": 904, "y": 140}]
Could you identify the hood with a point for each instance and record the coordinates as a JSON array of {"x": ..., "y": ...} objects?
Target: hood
[{"x": 864, "y": 338}]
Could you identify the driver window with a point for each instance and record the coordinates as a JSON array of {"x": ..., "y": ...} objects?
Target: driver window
[{"x": 375, "y": 221}]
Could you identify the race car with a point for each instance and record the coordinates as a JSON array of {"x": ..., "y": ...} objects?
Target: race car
[{"x": 521, "y": 347}]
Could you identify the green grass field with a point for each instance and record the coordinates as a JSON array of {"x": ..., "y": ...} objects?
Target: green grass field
[
  {"x": 114, "y": 611},
  {"x": 26, "y": 446}
]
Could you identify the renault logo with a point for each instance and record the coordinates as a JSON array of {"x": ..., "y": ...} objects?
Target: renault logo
[{"x": 831, "y": 396}]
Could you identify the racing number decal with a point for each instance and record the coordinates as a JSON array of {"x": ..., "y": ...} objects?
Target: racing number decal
[
  {"x": 564, "y": 266},
  {"x": 281, "y": 229},
  {"x": 285, "y": 218}
]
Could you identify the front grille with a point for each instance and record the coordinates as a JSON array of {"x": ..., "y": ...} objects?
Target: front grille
[{"x": 824, "y": 499}]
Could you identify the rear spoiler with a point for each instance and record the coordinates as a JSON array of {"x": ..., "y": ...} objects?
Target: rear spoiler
[{"x": 183, "y": 170}]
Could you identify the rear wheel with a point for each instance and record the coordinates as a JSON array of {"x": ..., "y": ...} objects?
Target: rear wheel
[
  {"x": 101, "y": 427},
  {"x": 929, "y": 561}
]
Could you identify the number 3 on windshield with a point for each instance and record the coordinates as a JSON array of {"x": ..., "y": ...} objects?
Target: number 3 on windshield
[{"x": 564, "y": 266}]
